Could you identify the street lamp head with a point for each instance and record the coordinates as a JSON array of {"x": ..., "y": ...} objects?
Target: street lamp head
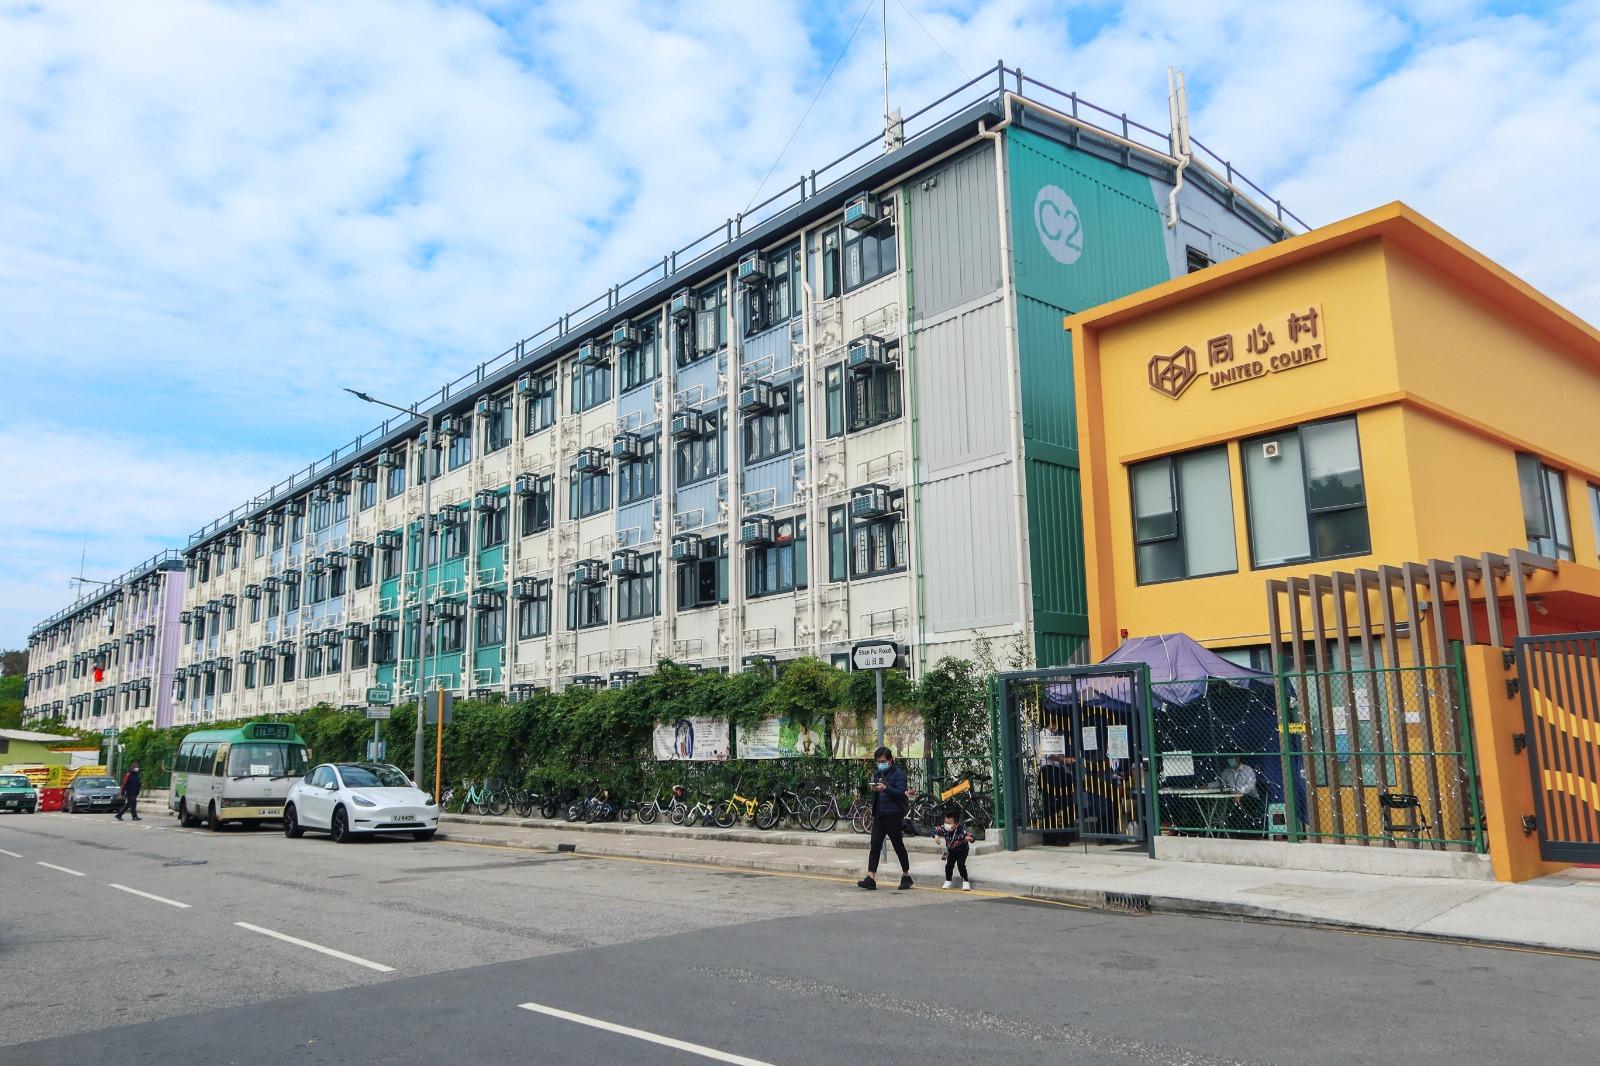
[{"x": 359, "y": 395}]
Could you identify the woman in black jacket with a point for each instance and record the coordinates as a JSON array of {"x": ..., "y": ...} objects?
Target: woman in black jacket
[{"x": 888, "y": 815}]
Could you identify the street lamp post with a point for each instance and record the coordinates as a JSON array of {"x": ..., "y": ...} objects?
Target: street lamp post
[{"x": 427, "y": 577}]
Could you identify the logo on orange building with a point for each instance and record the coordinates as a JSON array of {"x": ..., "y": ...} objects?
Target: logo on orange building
[{"x": 1171, "y": 374}]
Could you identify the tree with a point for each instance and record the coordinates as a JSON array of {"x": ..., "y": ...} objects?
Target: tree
[
  {"x": 11, "y": 701},
  {"x": 13, "y": 662}
]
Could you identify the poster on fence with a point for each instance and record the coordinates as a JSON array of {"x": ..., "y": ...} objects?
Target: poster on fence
[
  {"x": 690, "y": 739},
  {"x": 853, "y": 735},
  {"x": 779, "y": 737}
]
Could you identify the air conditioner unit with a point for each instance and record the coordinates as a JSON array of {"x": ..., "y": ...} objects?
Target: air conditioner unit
[
  {"x": 683, "y": 305},
  {"x": 524, "y": 588},
  {"x": 319, "y": 494},
  {"x": 588, "y": 680},
  {"x": 185, "y": 617},
  {"x": 452, "y": 426},
  {"x": 526, "y": 484},
  {"x": 247, "y": 657},
  {"x": 589, "y": 572},
  {"x": 295, "y": 508},
  {"x": 489, "y": 405},
  {"x": 424, "y": 440},
  {"x": 862, "y": 212},
  {"x": 865, "y": 354},
  {"x": 234, "y": 540},
  {"x": 385, "y": 625},
  {"x": 252, "y": 592},
  {"x": 487, "y": 500},
  {"x": 686, "y": 546},
  {"x": 213, "y": 607},
  {"x": 625, "y": 563},
  {"x": 209, "y": 666},
  {"x": 624, "y": 336},
  {"x": 229, "y": 600},
  {"x": 591, "y": 353},
  {"x": 275, "y": 519},
  {"x": 591, "y": 460},
  {"x": 389, "y": 459},
  {"x": 756, "y": 530},
  {"x": 316, "y": 566},
  {"x": 256, "y": 526},
  {"x": 487, "y": 599},
  {"x": 356, "y": 631},
  {"x": 447, "y": 609},
  {"x": 270, "y": 583},
  {"x": 285, "y": 647},
  {"x": 290, "y": 577},
  {"x": 626, "y": 446},
  {"x": 389, "y": 538},
  {"x": 524, "y": 384},
  {"x": 753, "y": 269},
  {"x": 623, "y": 678},
  {"x": 755, "y": 397},
  {"x": 1271, "y": 450},
  {"x": 359, "y": 549},
  {"x": 869, "y": 501},
  {"x": 365, "y": 474},
  {"x": 689, "y": 425},
  {"x": 339, "y": 485},
  {"x": 450, "y": 516}
]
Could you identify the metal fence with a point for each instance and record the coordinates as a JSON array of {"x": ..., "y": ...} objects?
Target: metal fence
[{"x": 1371, "y": 756}]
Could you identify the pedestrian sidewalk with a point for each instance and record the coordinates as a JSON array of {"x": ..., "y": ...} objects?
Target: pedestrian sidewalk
[{"x": 1560, "y": 912}]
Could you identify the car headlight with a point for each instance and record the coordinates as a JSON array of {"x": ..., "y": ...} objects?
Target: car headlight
[
  {"x": 427, "y": 801},
  {"x": 361, "y": 801}
]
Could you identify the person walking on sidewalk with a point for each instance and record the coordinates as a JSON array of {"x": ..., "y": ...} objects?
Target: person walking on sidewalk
[
  {"x": 130, "y": 794},
  {"x": 888, "y": 818},
  {"x": 956, "y": 840}
]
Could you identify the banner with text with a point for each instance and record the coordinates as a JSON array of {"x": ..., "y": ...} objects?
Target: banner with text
[
  {"x": 853, "y": 736},
  {"x": 690, "y": 739},
  {"x": 778, "y": 737}
]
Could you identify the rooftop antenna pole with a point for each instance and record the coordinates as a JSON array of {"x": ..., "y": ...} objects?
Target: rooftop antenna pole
[{"x": 894, "y": 133}]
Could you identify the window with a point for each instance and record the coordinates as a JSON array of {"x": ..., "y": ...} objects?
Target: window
[
  {"x": 860, "y": 400},
  {"x": 708, "y": 331},
  {"x": 778, "y": 430},
  {"x": 537, "y": 506},
  {"x": 492, "y": 525},
  {"x": 497, "y": 427},
  {"x": 636, "y": 478},
  {"x": 830, "y": 263},
  {"x": 452, "y": 635},
  {"x": 533, "y": 613},
  {"x": 272, "y": 602},
  {"x": 334, "y": 663},
  {"x": 269, "y": 671},
  {"x": 297, "y": 532},
  {"x": 539, "y": 409},
  {"x": 336, "y": 581},
  {"x": 591, "y": 385},
  {"x": 261, "y": 549},
  {"x": 383, "y": 646},
  {"x": 457, "y": 534},
  {"x": 641, "y": 363},
  {"x": 868, "y": 256},
  {"x": 428, "y": 460},
  {"x": 1594, "y": 510},
  {"x": 249, "y": 675},
  {"x": 255, "y": 609},
  {"x": 396, "y": 482},
  {"x": 701, "y": 458},
  {"x": 287, "y": 670},
  {"x": 313, "y": 660},
  {"x": 1183, "y": 517},
  {"x": 492, "y": 626},
  {"x": 317, "y": 587},
  {"x": 1305, "y": 494},
  {"x": 589, "y": 492},
  {"x": 779, "y": 566},
  {"x": 704, "y": 581},
  {"x": 277, "y": 536},
  {"x": 636, "y": 595},
  {"x": 461, "y": 445},
  {"x": 773, "y": 300},
  {"x": 1544, "y": 507},
  {"x": 341, "y": 512},
  {"x": 1196, "y": 259},
  {"x": 388, "y": 564},
  {"x": 359, "y": 653},
  {"x": 368, "y": 497},
  {"x": 878, "y": 545},
  {"x": 838, "y": 545},
  {"x": 586, "y": 605},
  {"x": 363, "y": 571}
]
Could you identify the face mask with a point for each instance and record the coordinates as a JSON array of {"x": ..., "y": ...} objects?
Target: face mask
[
  {"x": 883, "y": 766},
  {"x": 949, "y": 828},
  {"x": 1233, "y": 764}
]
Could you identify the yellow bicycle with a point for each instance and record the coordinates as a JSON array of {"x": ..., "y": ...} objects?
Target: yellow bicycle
[{"x": 731, "y": 810}]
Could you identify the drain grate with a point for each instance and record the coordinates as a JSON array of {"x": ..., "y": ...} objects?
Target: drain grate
[{"x": 1137, "y": 902}]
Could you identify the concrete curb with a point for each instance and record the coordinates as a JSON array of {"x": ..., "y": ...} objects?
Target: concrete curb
[{"x": 1093, "y": 899}]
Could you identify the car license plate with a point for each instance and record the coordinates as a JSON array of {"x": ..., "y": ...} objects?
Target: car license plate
[
  {"x": 268, "y": 812},
  {"x": 400, "y": 818}
]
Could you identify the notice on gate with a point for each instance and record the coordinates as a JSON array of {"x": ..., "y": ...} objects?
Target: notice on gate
[
  {"x": 1116, "y": 742},
  {"x": 1091, "y": 738},
  {"x": 1052, "y": 743},
  {"x": 690, "y": 739}
]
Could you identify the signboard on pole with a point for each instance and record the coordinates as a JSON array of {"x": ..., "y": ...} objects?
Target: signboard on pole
[
  {"x": 431, "y": 703},
  {"x": 376, "y": 750},
  {"x": 874, "y": 655},
  {"x": 108, "y": 731},
  {"x": 378, "y": 712}
]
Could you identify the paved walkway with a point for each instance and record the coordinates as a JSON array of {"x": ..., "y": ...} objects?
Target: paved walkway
[{"x": 1560, "y": 912}]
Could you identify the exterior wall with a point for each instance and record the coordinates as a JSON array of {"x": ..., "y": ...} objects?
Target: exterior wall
[{"x": 1446, "y": 383}]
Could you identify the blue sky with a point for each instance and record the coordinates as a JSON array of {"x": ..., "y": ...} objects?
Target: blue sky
[{"x": 217, "y": 214}]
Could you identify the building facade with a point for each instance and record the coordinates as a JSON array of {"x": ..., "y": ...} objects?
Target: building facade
[
  {"x": 109, "y": 660},
  {"x": 1359, "y": 401},
  {"x": 847, "y": 413}
]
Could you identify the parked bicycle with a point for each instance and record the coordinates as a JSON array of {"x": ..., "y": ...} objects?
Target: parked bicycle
[
  {"x": 825, "y": 814},
  {"x": 784, "y": 804},
  {"x": 489, "y": 797},
  {"x": 672, "y": 806},
  {"x": 730, "y": 810}
]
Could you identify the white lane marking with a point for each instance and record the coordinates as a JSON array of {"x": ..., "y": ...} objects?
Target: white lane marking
[
  {"x": 358, "y": 960},
  {"x": 63, "y": 869},
  {"x": 147, "y": 895},
  {"x": 640, "y": 1034},
  {"x": 13, "y": 854}
]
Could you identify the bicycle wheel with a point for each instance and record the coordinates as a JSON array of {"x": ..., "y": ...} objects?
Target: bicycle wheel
[
  {"x": 627, "y": 811},
  {"x": 549, "y": 807},
  {"x": 522, "y": 803},
  {"x": 497, "y": 803},
  {"x": 861, "y": 819},
  {"x": 647, "y": 814},
  {"x": 678, "y": 812},
  {"x": 822, "y": 817},
  {"x": 726, "y": 815},
  {"x": 575, "y": 810},
  {"x": 766, "y": 815}
]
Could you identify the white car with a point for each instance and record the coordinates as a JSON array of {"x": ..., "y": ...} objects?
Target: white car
[{"x": 351, "y": 800}]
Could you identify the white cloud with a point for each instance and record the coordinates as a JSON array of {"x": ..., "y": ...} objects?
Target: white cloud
[{"x": 218, "y": 213}]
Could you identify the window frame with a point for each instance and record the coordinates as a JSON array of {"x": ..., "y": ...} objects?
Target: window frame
[
  {"x": 539, "y": 406},
  {"x": 590, "y": 384},
  {"x": 782, "y": 426},
  {"x": 1305, "y": 488},
  {"x": 716, "y": 564},
  {"x": 537, "y": 610},
  {"x": 528, "y": 506},
  {"x": 883, "y": 235},
  {"x": 1175, "y": 486},
  {"x": 764, "y": 566},
  {"x": 709, "y": 450},
  {"x": 588, "y": 605},
  {"x": 641, "y": 364},
  {"x": 588, "y": 492},
  {"x": 638, "y": 597},
  {"x": 892, "y": 526},
  {"x": 639, "y": 479},
  {"x": 1563, "y": 551}
]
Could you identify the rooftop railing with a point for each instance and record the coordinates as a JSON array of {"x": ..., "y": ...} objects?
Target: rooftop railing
[
  {"x": 991, "y": 85},
  {"x": 88, "y": 599}
]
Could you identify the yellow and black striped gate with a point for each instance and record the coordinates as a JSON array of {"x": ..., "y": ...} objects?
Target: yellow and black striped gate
[{"x": 1560, "y": 681}]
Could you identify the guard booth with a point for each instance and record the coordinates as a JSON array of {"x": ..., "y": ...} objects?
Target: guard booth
[{"x": 1073, "y": 753}]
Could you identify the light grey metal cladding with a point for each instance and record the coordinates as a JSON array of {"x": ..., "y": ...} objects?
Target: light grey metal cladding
[
  {"x": 772, "y": 351},
  {"x": 636, "y": 523},
  {"x": 967, "y": 562},
  {"x": 698, "y": 505},
  {"x": 1205, "y": 225},
  {"x": 637, "y": 407},
  {"x": 960, "y": 369},
  {"x": 954, "y": 233},
  {"x": 770, "y": 485},
  {"x": 696, "y": 384}
]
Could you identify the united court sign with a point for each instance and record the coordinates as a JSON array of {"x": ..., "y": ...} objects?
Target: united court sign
[{"x": 1268, "y": 346}]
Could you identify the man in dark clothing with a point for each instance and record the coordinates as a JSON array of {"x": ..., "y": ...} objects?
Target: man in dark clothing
[
  {"x": 130, "y": 794},
  {"x": 888, "y": 818}
]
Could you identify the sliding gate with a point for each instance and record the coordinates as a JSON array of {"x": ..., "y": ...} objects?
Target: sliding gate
[
  {"x": 1560, "y": 681},
  {"x": 1073, "y": 743}
]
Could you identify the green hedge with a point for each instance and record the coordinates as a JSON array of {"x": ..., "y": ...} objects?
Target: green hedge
[{"x": 579, "y": 735}]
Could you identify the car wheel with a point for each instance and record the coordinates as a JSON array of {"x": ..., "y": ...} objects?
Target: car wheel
[
  {"x": 339, "y": 828},
  {"x": 422, "y": 836},
  {"x": 291, "y": 824},
  {"x": 213, "y": 823},
  {"x": 185, "y": 819}
]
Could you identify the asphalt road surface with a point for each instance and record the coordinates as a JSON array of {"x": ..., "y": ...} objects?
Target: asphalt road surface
[{"x": 144, "y": 943}]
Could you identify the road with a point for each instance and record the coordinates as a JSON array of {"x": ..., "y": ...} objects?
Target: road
[{"x": 143, "y": 943}]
